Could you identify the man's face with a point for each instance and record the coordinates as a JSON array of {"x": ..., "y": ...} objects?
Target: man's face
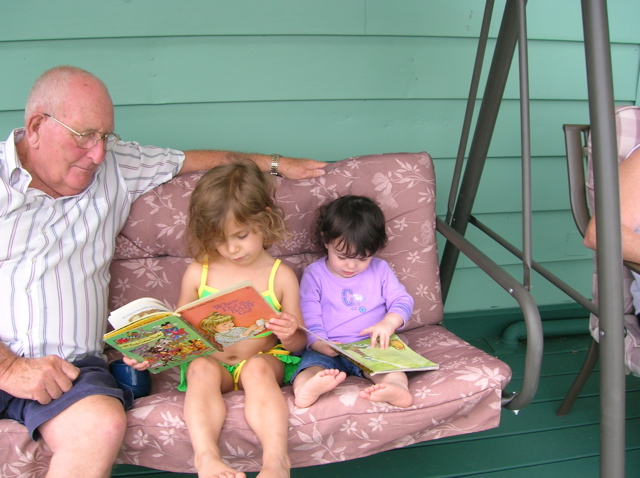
[{"x": 58, "y": 165}]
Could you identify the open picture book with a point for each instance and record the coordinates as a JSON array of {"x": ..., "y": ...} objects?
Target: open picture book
[
  {"x": 146, "y": 329},
  {"x": 398, "y": 357}
]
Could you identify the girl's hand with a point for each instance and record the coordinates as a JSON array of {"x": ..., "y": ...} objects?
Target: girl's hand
[
  {"x": 383, "y": 330},
  {"x": 284, "y": 326},
  {"x": 140, "y": 366}
]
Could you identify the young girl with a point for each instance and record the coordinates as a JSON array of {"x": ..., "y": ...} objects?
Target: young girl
[
  {"x": 233, "y": 220},
  {"x": 347, "y": 295}
]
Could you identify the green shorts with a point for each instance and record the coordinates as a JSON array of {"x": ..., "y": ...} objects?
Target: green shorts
[{"x": 289, "y": 361}]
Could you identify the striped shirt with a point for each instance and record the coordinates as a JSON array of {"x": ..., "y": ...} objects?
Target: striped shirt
[{"x": 55, "y": 253}]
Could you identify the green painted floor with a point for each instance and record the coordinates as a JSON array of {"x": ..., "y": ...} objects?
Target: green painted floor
[{"x": 534, "y": 443}]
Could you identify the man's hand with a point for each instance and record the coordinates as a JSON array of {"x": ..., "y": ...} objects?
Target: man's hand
[
  {"x": 40, "y": 379},
  {"x": 300, "y": 168}
]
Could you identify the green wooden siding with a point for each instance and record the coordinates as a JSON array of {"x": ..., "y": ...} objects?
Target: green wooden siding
[{"x": 332, "y": 79}]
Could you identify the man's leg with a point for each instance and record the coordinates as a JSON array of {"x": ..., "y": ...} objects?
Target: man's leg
[{"x": 85, "y": 438}]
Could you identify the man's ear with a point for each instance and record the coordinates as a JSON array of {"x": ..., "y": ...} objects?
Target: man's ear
[{"x": 32, "y": 129}]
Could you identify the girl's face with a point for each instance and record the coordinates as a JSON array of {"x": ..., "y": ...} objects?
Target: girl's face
[
  {"x": 342, "y": 266},
  {"x": 243, "y": 244}
]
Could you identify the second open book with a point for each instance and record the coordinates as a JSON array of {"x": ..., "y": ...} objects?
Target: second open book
[{"x": 398, "y": 357}]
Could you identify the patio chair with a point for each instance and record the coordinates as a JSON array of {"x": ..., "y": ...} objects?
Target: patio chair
[{"x": 581, "y": 193}]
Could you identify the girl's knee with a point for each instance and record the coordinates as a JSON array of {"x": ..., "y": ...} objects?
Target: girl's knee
[
  {"x": 203, "y": 366},
  {"x": 260, "y": 367}
]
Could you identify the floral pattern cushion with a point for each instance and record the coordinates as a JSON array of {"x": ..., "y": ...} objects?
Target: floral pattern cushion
[{"x": 463, "y": 396}]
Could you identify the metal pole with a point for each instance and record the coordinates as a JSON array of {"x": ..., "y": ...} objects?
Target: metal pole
[
  {"x": 609, "y": 250},
  {"x": 494, "y": 90},
  {"x": 471, "y": 101},
  {"x": 525, "y": 132}
]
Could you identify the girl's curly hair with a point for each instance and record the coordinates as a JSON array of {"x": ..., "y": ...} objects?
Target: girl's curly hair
[{"x": 240, "y": 190}]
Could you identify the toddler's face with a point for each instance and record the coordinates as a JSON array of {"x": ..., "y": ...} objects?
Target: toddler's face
[{"x": 342, "y": 266}]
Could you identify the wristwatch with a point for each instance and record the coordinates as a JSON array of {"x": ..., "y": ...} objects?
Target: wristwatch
[{"x": 275, "y": 162}]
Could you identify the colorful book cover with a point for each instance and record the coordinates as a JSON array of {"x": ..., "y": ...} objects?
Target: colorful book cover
[
  {"x": 146, "y": 329},
  {"x": 163, "y": 339}
]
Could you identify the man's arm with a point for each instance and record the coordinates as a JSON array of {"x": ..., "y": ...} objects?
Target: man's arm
[
  {"x": 292, "y": 168},
  {"x": 41, "y": 379},
  {"x": 629, "y": 176}
]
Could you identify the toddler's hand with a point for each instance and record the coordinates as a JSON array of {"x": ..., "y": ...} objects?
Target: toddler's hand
[
  {"x": 383, "y": 330},
  {"x": 324, "y": 349}
]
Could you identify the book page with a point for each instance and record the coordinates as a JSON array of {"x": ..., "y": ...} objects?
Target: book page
[
  {"x": 398, "y": 357},
  {"x": 230, "y": 316},
  {"x": 136, "y": 310}
]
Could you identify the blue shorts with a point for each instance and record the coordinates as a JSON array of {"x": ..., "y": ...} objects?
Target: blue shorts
[
  {"x": 94, "y": 379},
  {"x": 311, "y": 358}
]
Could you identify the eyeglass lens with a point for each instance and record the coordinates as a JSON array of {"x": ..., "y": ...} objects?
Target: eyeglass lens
[{"x": 89, "y": 140}]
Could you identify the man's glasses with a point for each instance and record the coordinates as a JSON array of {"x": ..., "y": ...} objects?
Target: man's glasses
[{"x": 89, "y": 140}]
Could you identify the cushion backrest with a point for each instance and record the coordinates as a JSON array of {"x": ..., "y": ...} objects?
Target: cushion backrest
[{"x": 151, "y": 253}]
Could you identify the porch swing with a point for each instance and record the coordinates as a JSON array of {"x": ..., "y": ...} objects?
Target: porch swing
[{"x": 468, "y": 391}]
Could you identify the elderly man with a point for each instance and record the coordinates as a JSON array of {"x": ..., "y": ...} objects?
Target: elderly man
[{"x": 67, "y": 185}]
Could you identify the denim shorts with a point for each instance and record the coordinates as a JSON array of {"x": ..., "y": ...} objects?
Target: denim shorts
[
  {"x": 311, "y": 358},
  {"x": 94, "y": 379}
]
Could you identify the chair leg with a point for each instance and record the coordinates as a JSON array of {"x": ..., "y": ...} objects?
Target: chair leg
[{"x": 587, "y": 367}]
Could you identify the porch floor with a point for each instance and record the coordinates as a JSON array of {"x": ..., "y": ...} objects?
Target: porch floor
[{"x": 533, "y": 443}]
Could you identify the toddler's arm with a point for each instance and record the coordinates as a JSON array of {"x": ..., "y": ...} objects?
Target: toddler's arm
[{"x": 321, "y": 347}]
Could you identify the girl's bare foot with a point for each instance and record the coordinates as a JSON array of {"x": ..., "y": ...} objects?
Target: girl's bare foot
[
  {"x": 213, "y": 467},
  {"x": 274, "y": 471},
  {"x": 387, "y": 392},
  {"x": 321, "y": 382}
]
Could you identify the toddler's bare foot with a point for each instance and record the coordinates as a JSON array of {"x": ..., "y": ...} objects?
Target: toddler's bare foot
[
  {"x": 388, "y": 392},
  {"x": 322, "y": 382},
  {"x": 213, "y": 467}
]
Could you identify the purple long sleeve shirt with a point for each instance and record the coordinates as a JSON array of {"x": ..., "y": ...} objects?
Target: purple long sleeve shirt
[{"x": 339, "y": 309}]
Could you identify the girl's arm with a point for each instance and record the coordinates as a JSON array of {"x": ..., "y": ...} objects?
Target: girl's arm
[
  {"x": 190, "y": 284},
  {"x": 285, "y": 326}
]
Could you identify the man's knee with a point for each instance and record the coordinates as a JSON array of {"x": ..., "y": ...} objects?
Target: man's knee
[{"x": 97, "y": 420}]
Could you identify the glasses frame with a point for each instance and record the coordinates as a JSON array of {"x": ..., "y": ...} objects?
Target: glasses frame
[{"x": 104, "y": 136}]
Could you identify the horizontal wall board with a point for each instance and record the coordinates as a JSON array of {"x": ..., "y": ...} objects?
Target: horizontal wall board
[
  {"x": 31, "y": 19},
  {"x": 471, "y": 289},
  {"x": 500, "y": 189},
  {"x": 148, "y": 18},
  {"x": 331, "y": 130},
  {"x": 555, "y": 238},
  {"x": 546, "y": 19},
  {"x": 255, "y": 68}
]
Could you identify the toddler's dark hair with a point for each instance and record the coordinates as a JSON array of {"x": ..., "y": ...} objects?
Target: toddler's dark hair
[{"x": 357, "y": 224}]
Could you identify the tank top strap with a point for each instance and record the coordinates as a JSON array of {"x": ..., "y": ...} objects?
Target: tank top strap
[
  {"x": 272, "y": 275},
  {"x": 203, "y": 276}
]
